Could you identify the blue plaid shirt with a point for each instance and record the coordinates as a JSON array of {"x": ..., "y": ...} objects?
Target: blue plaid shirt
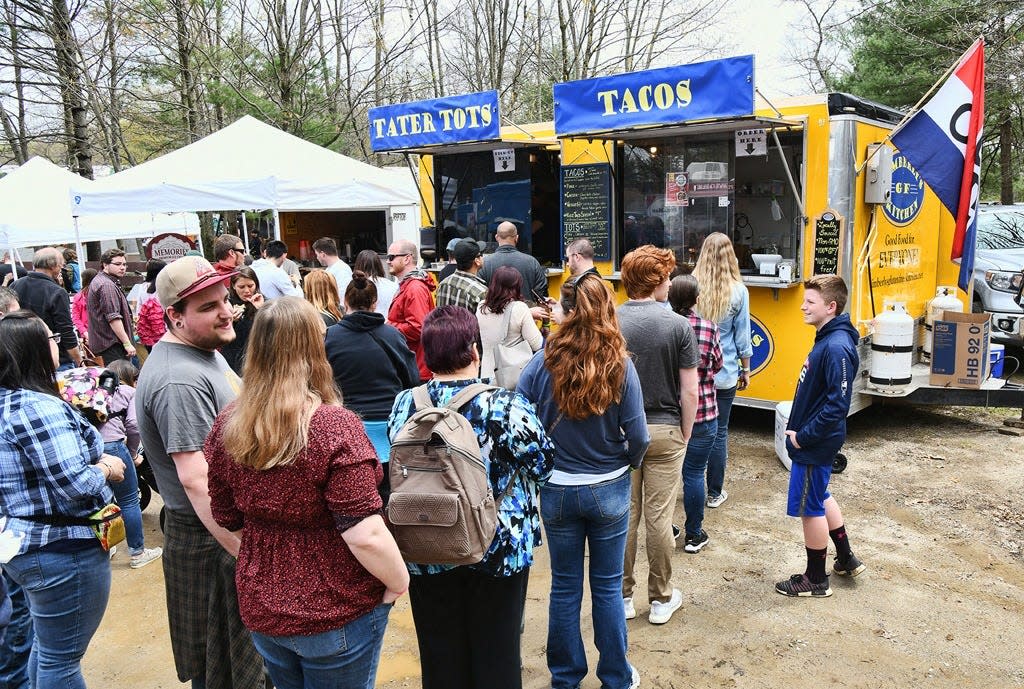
[{"x": 46, "y": 453}]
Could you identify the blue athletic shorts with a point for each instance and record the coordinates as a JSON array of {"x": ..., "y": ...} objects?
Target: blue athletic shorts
[{"x": 808, "y": 489}]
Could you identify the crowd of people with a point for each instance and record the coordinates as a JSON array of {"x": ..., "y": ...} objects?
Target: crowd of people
[{"x": 279, "y": 564}]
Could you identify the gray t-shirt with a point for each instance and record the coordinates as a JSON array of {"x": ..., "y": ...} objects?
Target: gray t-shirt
[
  {"x": 660, "y": 342},
  {"x": 181, "y": 391}
]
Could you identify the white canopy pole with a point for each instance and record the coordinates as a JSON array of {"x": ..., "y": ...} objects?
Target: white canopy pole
[
  {"x": 245, "y": 232},
  {"x": 277, "y": 224},
  {"x": 79, "y": 249}
]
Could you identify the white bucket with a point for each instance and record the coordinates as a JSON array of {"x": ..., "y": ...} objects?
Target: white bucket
[{"x": 782, "y": 410}]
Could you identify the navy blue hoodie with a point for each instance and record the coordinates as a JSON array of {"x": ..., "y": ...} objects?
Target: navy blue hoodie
[{"x": 823, "y": 393}]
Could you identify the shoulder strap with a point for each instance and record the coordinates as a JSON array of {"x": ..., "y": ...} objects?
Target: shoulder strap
[
  {"x": 463, "y": 396},
  {"x": 421, "y": 398},
  {"x": 506, "y": 320}
]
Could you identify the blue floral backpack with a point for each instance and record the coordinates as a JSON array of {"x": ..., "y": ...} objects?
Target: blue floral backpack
[{"x": 90, "y": 390}]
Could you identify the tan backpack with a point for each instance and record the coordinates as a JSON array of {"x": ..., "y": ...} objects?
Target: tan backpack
[{"x": 442, "y": 510}]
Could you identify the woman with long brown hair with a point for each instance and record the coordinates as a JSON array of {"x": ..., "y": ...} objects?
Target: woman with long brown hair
[
  {"x": 246, "y": 301},
  {"x": 503, "y": 317},
  {"x": 321, "y": 290},
  {"x": 293, "y": 470},
  {"x": 724, "y": 301},
  {"x": 588, "y": 396}
]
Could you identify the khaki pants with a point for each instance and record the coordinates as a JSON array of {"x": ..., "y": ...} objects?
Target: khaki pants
[{"x": 655, "y": 489}]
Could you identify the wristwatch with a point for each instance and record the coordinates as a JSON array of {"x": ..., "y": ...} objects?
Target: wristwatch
[{"x": 744, "y": 370}]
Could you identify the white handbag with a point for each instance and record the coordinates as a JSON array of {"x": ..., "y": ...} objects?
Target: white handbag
[{"x": 510, "y": 357}]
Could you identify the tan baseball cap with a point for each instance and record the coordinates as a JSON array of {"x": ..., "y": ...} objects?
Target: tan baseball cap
[{"x": 185, "y": 276}]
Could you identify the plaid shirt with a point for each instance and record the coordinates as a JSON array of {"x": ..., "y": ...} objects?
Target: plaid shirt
[
  {"x": 46, "y": 453},
  {"x": 710, "y": 364},
  {"x": 460, "y": 289}
]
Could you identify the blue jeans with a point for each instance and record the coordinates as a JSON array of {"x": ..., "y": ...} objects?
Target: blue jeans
[
  {"x": 127, "y": 494},
  {"x": 67, "y": 595},
  {"x": 720, "y": 451},
  {"x": 17, "y": 644},
  {"x": 343, "y": 658},
  {"x": 702, "y": 440},
  {"x": 577, "y": 518}
]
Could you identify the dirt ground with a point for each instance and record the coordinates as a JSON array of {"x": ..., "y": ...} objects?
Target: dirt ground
[{"x": 933, "y": 504}]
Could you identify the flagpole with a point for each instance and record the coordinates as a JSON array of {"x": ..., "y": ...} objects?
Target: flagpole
[{"x": 913, "y": 110}]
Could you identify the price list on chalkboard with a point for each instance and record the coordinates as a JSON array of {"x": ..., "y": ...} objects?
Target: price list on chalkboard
[
  {"x": 828, "y": 242},
  {"x": 587, "y": 207}
]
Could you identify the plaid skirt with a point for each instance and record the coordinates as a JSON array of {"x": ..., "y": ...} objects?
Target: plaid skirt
[{"x": 208, "y": 638}]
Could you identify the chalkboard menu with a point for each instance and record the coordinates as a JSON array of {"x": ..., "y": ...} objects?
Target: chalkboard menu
[
  {"x": 828, "y": 242},
  {"x": 587, "y": 207}
]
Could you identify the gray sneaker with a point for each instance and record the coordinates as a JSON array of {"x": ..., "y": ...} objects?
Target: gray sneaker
[
  {"x": 717, "y": 500},
  {"x": 145, "y": 557}
]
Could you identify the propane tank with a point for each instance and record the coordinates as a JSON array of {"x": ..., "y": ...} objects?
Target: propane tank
[
  {"x": 892, "y": 349},
  {"x": 945, "y": 300}
]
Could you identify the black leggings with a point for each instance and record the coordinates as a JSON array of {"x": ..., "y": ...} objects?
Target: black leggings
[{"x": 467, "y": 627}]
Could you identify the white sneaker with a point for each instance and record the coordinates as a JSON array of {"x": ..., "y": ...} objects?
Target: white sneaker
[
  {"x": 662, "y": 612},
  {"x": 627, "y": 604},
  {"x": 145, "y": 557},
  {"x": 634, "y": 683},
  {"x": 112, "y": 552},
  {"x": 718, "y": 500}
]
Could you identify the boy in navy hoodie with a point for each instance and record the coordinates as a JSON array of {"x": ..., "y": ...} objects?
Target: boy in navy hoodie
[{"x": 816, "y": 431}]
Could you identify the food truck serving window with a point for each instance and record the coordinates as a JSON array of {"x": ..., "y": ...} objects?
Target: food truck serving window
[
  {"x": 475, "y": 192},
  {"x": 677, "y": 190}
]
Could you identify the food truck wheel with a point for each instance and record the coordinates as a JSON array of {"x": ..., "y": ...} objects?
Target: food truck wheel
[{"x": 839, "y": 463}]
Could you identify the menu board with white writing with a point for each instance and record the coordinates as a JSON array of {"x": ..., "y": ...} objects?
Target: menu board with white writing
[
  {"x": 587, "y": 207},
  {"x": 828, "y": 243}
]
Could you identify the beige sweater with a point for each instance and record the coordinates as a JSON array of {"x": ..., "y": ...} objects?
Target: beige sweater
[{"x": 520, "y": 322}]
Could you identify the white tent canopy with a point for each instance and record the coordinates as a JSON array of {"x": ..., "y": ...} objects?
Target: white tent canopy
[
  {"x": 34, "y": 211},
  {"x": 247, "y": 165}
]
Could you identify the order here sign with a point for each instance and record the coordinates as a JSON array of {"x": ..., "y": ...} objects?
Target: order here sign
[
  {"x": 670, "y": 95},
  {"x": 466, "y": 117}
]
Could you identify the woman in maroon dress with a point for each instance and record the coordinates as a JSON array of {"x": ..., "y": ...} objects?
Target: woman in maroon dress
[{"x": 293, "y": 470}]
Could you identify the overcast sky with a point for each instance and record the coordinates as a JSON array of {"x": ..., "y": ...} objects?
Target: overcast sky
[{"x": 770, "y": 30}]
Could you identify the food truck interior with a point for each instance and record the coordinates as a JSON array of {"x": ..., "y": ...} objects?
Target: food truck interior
[
  {"x": 473, "y": 194},
  {"x": 676, "y": 190}
]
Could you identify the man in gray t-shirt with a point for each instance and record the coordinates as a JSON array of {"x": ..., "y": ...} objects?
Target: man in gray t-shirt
[
  {"x": 664, "y": 350},
  {"x": 183, "y": 386}
]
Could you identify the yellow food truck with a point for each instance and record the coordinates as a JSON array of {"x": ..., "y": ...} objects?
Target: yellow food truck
[{"x": 667, "y": 156}]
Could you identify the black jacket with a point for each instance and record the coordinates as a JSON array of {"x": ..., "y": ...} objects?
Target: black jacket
[
  {"x": 370, "y": 372},
  {"x": 39, "y": 293}
]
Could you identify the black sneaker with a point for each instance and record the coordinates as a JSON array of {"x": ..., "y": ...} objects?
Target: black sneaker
[
  {"x": 850, "y": 567},
  {"x": 675, "y": 532},
  {"x": 800, "y": 585},
  {"x": 694, "y": 544}
]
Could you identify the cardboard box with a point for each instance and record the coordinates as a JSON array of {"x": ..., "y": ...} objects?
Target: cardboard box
[{"x": 960, "y": 349}]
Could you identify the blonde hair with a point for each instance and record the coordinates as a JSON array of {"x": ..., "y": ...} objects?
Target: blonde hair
[
  {"x": 321, "y": 290},
  {"x": 717, "y": 272},
  {"x": 587, "y": 355},
  {"x": 286, "y": 378}
]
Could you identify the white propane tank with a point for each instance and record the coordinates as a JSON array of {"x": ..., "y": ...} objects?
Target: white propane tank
[
  {"x": 945, "y": 300},
  {"x": 892, "y": 348}
]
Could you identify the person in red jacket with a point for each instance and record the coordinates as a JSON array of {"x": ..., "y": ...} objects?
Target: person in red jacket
[{"x": 415, "y": 298}]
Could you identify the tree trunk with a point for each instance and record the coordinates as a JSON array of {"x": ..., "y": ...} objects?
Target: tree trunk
[
  {"x": 1006, "y": 161},
  {"x": 65, "y": 56}
]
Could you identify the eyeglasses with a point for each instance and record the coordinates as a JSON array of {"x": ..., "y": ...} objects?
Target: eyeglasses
[
  {"x": 392, "y": 257},
  {"x": 119, "y": 263},
  {"x": 55, "y": 337}
]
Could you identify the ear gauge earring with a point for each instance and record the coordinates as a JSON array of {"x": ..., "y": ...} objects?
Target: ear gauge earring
[{"x": 178, "y": 324}]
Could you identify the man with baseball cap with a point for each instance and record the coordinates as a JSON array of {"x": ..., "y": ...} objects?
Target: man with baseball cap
[
  {"x": 182, "y": 387},
  {"x": 463, "y": 287}
]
